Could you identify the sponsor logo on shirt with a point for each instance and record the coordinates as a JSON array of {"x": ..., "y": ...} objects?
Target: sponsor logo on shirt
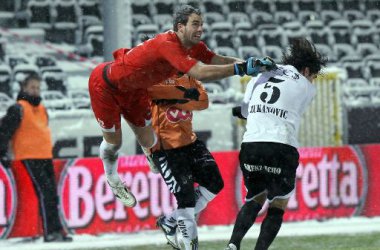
[
  {"x": 256, "y": 168},
  {"x": 175, "y": 115}
]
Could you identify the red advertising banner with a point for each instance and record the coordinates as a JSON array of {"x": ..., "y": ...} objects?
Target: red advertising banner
[
  {"x": 89, "y": 206},
  {"x": 331, "y": 182},
  {"x": 8, "y": 201}
]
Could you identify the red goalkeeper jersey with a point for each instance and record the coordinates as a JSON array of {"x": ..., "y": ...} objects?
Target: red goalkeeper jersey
[{"x": 154, "y": 61}]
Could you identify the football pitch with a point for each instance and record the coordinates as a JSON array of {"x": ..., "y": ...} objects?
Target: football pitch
[{"x": 333, "y": 242}]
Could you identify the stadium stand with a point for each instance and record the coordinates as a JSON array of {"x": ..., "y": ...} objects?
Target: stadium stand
[{"x": 347, "y": 31}]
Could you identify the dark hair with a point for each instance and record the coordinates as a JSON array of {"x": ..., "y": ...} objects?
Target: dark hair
[
  {"x": 182, "y": 15},
  {"x": 304, "y": 54},
  {"x": 29, "y": 78}
]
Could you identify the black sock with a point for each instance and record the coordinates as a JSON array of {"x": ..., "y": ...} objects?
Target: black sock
[
  {"x": 269, "y": 228},
  {"x": 245, "y": 219}
]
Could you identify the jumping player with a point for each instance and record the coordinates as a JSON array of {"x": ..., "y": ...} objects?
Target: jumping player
[{"x": 120, "y": 87}]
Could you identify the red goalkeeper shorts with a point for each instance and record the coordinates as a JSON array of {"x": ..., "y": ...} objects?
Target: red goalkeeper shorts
[{"x": 109, "y": 104}]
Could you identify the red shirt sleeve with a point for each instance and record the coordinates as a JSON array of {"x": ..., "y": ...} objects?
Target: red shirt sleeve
[
  {"x": 203, "y": 53},
  {"x": 175, "y": 54}
]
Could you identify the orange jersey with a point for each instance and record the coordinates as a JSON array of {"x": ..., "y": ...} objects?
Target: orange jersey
[
  {"x": 173, "y": 123},
  {"x": 32, "y": 139}
]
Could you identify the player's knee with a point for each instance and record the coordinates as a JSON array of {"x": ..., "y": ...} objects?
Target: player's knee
[
  {"x": 107, "y": 150},
  {"x": 147, "y": 140},
  {"x": 253, "y": 205},
  {"x": 185, "y": 199}
]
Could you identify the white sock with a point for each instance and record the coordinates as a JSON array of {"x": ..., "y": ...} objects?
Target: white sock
[
  {"x": 109, "y": 154},
  {"x": 172, "y": 218},
  {"x": 203, "y": 198},
  {"x": 187, "y": 225}
]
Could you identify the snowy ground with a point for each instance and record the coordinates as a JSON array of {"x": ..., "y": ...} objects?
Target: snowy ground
[{"x": 336, "y": 226}]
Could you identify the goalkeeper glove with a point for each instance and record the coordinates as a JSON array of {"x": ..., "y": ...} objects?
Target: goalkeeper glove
[{"x": 253, "y": 66}]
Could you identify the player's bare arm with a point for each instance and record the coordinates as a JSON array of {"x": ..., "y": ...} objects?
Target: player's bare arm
[{"x": 221, "y": 60}]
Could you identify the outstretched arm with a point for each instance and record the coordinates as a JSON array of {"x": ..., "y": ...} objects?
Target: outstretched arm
[{"x": 221, "y": 60}]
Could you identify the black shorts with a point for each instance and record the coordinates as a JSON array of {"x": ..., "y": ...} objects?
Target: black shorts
[
  {"x": 182, "y": 167},
  {"x": 268, "y": 167}
]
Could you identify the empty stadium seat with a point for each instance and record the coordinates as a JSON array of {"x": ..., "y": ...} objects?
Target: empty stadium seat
[
  {"x": 329, "y": 5},
  {"x": 315, "y": 25},
  {"x": 237, "y": 17},
  {"x": 54, "y": 77},
  {"x": 248, "y": 38},
  {"x": 327, "y": 51},
  {"x": 328, "y": 15},
  {"x": 307, "y": 15},
  {"x": 323, "y": 36},
  {"x": 66, "y": 20},
  {"x": 15, "y": 59},
  {"x": 90, "y": 8},
  {"x": 5, "y": 79},
  {"x": 341, "y": 31},
  {"x": 307, "y": 5},
  {"x": 351, "y": 15},
  {"x": 355, "y": 70},
  {"x": 273, "y": 36},
  {"x": 247, "y": 51},
  {"x": 238, "y": 6},
  {"x": 138, "y": 19},
  {"x": 351, "y": 58},
  {"x": 222, "y": 34},
  {"x": 372, "y": 58},
  {"x": 142, "y": 7},
  {"x": 67, "y": 12},
  {"x": 211, "y": 17},
  {"x": 164, "y": 6},
  {"x": 293, "y": 30},
  {"x": 221, "y": 27},
  {"x": 162, "y": 19},
  {"x": 274, "y": 52},
  {"x": 259, "y": 17},
  {"x": 243, "y": 26},
  {"x": 93, "y": 37},
  {"x": 342, "y": 50},
  {"x": 144, "y": 30},
  {"x": 373, "y": 15},
  {"x": 352, "y": 5},
  {"x": 43, "y": 60},
  {"x": 214, "y": 6},
  {"x": 223, "y": 39},
  {"x": 225, "y": 51},
  {"x": 284, "y": 5},
  {"x": 365, "y": 49},
  {"x": 263, "y": 6},
  {"x": 8, "y": 5},
  {"x": 374, "y": 69},
  {"x": 281, "y": 17},
  {"x": 40, "y": 14},
  {"x": 371, "y": 4}
]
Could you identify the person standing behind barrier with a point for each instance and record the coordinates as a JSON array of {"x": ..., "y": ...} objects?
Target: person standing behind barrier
[
  {"x": 26, "y": 125},
  {"x": 273, "y": 105},
  {"x": 182, "y": 159}
]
